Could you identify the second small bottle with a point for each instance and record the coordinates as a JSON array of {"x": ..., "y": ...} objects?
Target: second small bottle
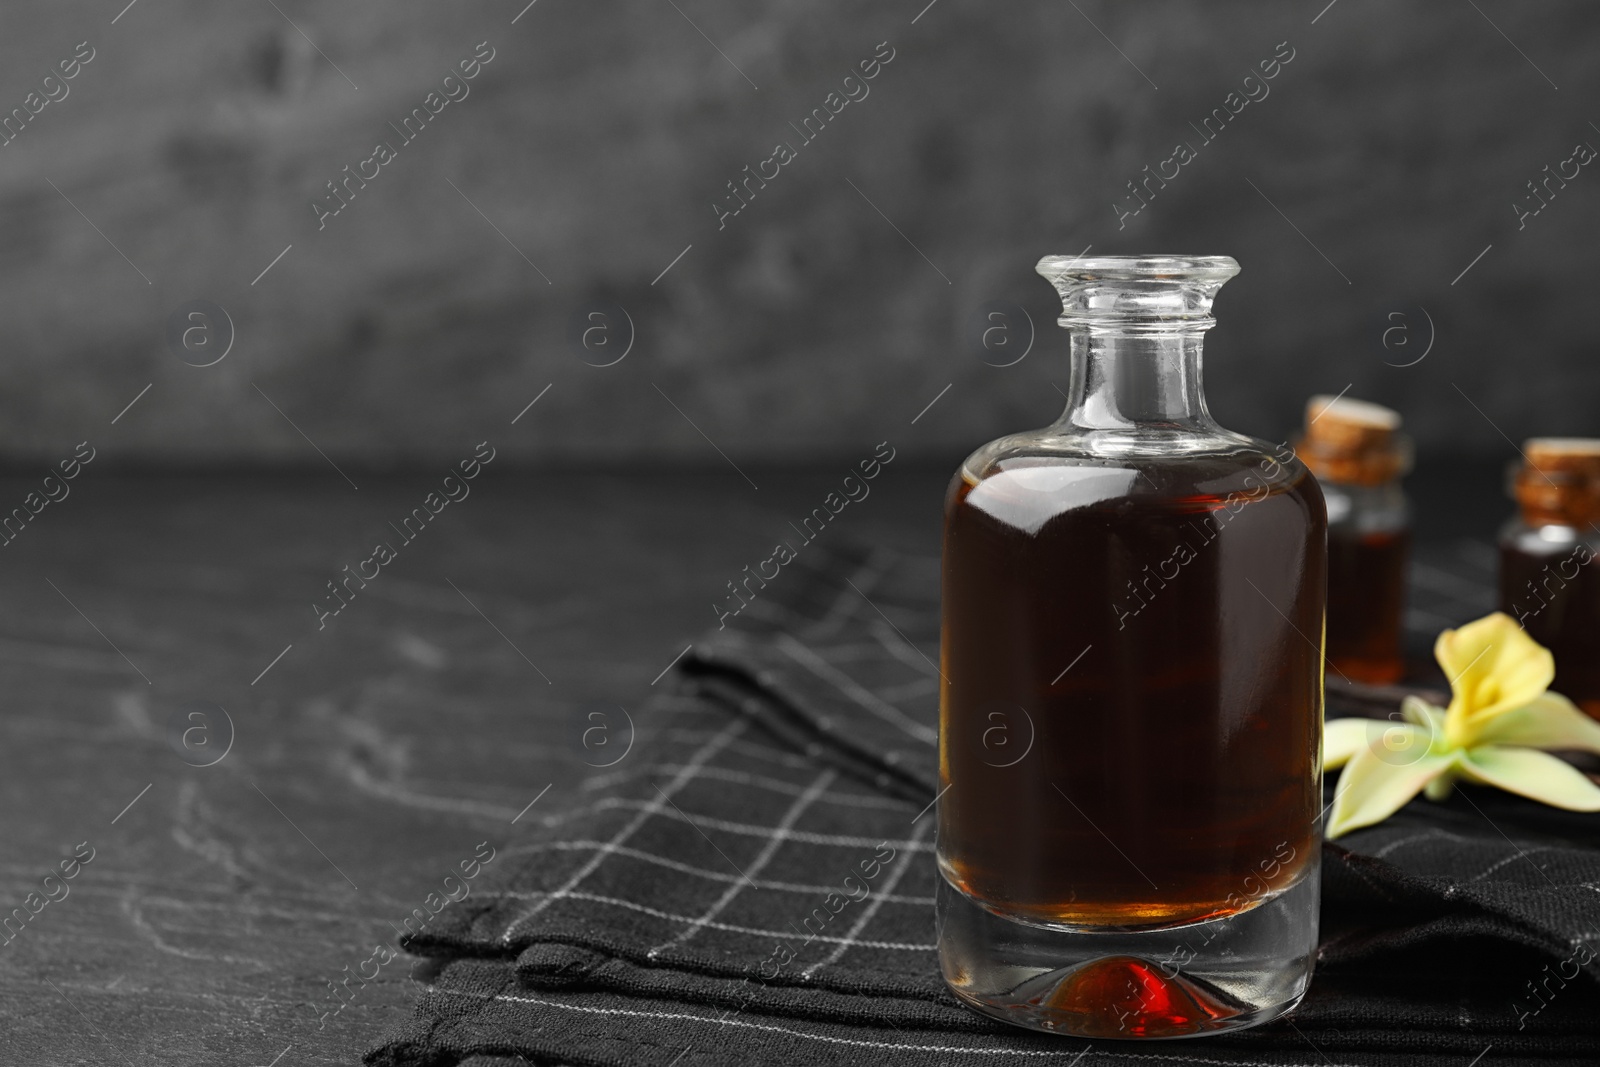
[{"x": 1358, "y": 453}]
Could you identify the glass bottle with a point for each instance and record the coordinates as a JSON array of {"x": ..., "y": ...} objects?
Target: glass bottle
[
  {"x": 1358, "y": 454},
  {"x": 1549, "y": 574},
  {"x": 1131, "y": 703}
]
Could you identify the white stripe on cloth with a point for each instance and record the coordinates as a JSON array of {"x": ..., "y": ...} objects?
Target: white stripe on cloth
[
  {"x": 645, "y": 909},
  {"x": 871, "y": 910},
  {"x": 862, "y": 696},
  {"x": 845, "y": 604},
  {"x": 840, "y": 611},
  {"x": 850, "y": 652},
  {"x": 780, "y": 834},
  {"x": 922, "y": 687},
  {"x": 844, "y": 607},
  {"x": 716, "y": 876},
  {"x": 654, "y": 807},
  {"x": 1141, "y": 1055},
  {"x": 746, "y": 748},
  {"x": 900, "y": 647},
  {"x": 1430, "y": 835},
  {"x": 849, "y": 800},
  {"x": 748, "y": 829},
  {"x": 1520, "y": 853}
]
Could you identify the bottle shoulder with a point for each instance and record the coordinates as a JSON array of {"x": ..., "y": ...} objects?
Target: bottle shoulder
[
  {"x": 1215, "y": 461},
  {"x": 1366, "y": 508},
  {"x": 1546, "y": 539},
  {"x": 1056, "y": 473}
]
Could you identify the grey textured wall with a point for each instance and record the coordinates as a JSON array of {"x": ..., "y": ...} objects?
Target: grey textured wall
[{"x": 590, "y": 151}]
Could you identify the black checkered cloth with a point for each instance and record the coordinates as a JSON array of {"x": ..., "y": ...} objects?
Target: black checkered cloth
[{"x": 754, "y": 884}]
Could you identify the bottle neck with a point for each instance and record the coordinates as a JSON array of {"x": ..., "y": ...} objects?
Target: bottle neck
[{"x": 1144, "y": 378}]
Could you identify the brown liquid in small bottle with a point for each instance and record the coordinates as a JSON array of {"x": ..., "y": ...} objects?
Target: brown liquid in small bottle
[
  {"x": 1132, "y": 704},
  {"x": 1556, "y": 598},
  {"x": 1549, "y": 572},
  {"x": 1356, "y": 449},
  {"x": 1366, "y": 590}
]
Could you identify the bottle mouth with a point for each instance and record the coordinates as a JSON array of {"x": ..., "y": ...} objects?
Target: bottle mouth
[
  {"x": 1221, "y": 268},
  {"x": 1150, "y": 289}
]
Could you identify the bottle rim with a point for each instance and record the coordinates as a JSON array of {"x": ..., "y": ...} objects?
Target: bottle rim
[
  {"x": 1140, "y": 267},
  {"x": 1149, "y": 294}
]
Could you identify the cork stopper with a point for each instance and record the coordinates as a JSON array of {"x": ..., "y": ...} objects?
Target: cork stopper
[
  {"x": 1558, "y": 481},
  {"x": 1576, "y": 455},
  {"x": 1353, "y": 441}
]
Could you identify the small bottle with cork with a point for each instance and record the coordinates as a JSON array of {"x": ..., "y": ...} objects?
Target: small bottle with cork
[
  {"x": 1549, "y": 576},
  {"x": 1356, "y": 450}
]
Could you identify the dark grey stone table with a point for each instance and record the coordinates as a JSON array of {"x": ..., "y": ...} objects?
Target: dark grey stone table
[
  {"x": 369, "y": 760},
  {"x": 370, "y": 757}
]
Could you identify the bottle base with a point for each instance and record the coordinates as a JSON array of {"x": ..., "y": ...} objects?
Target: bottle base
[{"x": 1210, "y": 977}]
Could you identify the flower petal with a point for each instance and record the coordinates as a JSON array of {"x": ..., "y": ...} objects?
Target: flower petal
[
  {"x": 1392, "y": 741},
  {"x": 1493, "y": 667},
  {"x": 1341, "y": 739},
  {"x": 1532, "y": 774},
  {"x": 1551, "y": 721},
  {"x": 1371, "y": 789},
  {"x": 1414, "y": 709}
]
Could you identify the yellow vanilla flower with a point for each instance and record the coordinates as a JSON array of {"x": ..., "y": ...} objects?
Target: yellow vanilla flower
[{"x": 1500, "y": 715}]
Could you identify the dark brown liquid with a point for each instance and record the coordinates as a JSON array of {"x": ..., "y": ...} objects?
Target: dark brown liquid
[
  {"x": 1366, "y": 604},
  {"x": 1556, "y": 597},
  {"x": 1171, "y": 773}
]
